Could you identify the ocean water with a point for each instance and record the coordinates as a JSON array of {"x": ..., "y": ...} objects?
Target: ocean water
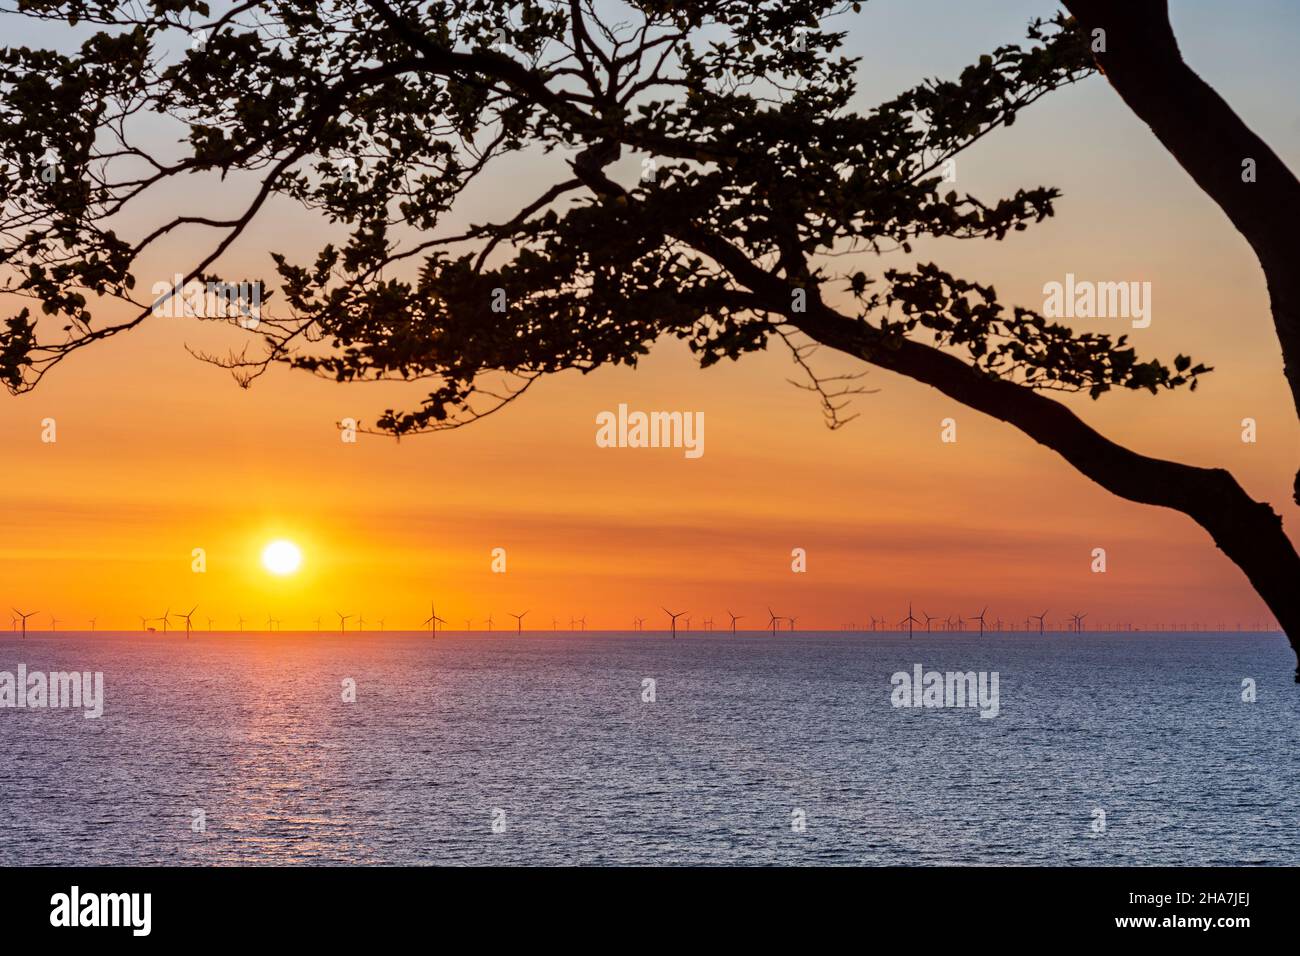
[{"x": 539, "y": 749}]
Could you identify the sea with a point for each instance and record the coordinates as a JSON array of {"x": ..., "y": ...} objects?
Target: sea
[{"x": 635, "y": 748}]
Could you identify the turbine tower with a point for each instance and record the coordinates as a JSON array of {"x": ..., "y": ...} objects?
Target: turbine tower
[
  {"x": 734, "y": 619},
  {"x": 519, "y": 622},
  {"x": 24, "y": 619},
  {"x": 909, "y": 620},
  {"x": 1041, "y": 619},
  {"x": 980, "y": 617},
  {"x": 772, "y": 620},
  {"x": 343, "y": 620},
  {"x": 433, "y": 621},
  {"x": 188, "y": 626},
  {"x": 674, "y": 619}
]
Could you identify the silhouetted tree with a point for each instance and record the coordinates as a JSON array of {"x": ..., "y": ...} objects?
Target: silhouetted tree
[
  {"x": 759, "y": 183},
  {"x": 1140, "y": 57}
]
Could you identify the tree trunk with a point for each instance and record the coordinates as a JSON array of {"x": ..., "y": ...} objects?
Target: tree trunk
[{"x": 1143, "y": 63}]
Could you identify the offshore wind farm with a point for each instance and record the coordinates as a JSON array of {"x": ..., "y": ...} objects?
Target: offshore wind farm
[{"x": 1071, "y": 624}]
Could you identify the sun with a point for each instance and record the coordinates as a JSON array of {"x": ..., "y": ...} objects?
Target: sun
[{"x": 281, "y": 557}]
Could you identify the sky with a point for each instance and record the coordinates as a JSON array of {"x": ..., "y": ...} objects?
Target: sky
[{"x": 159, "y": 454}]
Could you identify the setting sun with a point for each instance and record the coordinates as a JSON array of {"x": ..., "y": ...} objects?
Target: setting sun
[{"x": 281, "y": 557}]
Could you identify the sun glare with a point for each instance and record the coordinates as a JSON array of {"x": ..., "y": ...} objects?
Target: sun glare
[{"x": 281, "y": 557}]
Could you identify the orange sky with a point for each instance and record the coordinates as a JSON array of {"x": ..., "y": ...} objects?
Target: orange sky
[{"x": 158, "y": 454}]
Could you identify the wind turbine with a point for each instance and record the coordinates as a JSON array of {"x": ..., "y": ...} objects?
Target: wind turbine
[
  {"x": 1041, "y": 618},
  {"x": 573, "y": 623},
  {"x": 209, "y": 625},
  {"x": 1079, "y": 620},
  {"x": 674, "y": 619},
  {"x": 909, "y": 620},
  {"x": 188, "y": 626},
  {"x": 318, "y": 625},
  {"x": 270, "y": 623},
  {"x": 343, "y": 620},
  {"x": 519, "y": 622},
  {"x": 241, "y": 624},
  {"x": 708, "y": 623},
  {"x": 381, "y": 625},
  {"x": 688, "y": 622},
  {"x": 555, "y": 625},
  {"x": 469, "y": 625},
  {"x": 792, "y": 620},
  {"x": 433, "y": 621},
  {"x": 24, "y": 617},
  {"x": 772, "y": 620},
  {"x": 92, "y": 623},
  {"x": 734, "y": 619},
  {"x": 54, "y": 623},
  {"x": 361, "y": 622},
  {"x": 489, "y": 622},
  {"x": 582, "y": 622},
  {"x": 928, "y": 619},
  {"x": 980, "y": 617}
]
